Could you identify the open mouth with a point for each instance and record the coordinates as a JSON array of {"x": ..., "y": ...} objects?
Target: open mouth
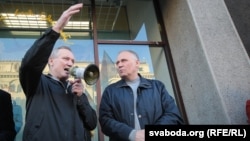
[{"x": 67, "y": 70}]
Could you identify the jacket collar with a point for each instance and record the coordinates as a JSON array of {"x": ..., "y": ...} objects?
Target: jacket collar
[
  {"x": 144, "y": 83},
  {"x": 65, "y": 84}
]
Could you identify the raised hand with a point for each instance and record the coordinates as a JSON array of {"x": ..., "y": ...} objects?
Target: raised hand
[{"x": 65, "y": 17}]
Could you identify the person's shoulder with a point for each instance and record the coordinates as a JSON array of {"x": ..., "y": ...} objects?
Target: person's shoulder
[
  {"x": 4, "y": 96},
  {"x": 115, "y": 84},
  {"x": 157, "y": 81},
  {"x": 4, "y": 93},
  {"x": 152, "y": 80}
]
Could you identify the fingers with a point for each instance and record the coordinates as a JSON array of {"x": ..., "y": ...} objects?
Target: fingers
[
  {"x": 140, "y": 135},
  {"x": 73, "y": 10},
  {"x": 77, "y": 87},
  {"x": 66, "y": 15},
  {"x": 75, "y": 81}
]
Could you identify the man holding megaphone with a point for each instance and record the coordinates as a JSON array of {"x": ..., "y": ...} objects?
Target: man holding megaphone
[{"x": 56, "y": 109}]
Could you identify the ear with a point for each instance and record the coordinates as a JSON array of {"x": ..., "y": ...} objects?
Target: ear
[
  {"x": 137, "y": 63},
  {"x": 50, "y": 61}
]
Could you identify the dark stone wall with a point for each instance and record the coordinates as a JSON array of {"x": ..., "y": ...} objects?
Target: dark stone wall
[{"x": 240, "y": 13}]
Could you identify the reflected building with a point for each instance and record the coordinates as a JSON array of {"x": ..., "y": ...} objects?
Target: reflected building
[{"x": 10, "y": 81}]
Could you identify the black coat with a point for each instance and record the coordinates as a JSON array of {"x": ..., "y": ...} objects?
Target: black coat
[
  {"x": 7, "y": 125},
  {"x": 53, "y": 113}
]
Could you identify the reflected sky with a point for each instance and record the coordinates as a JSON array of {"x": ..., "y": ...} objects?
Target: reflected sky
[{"x": 15, "y": 48}]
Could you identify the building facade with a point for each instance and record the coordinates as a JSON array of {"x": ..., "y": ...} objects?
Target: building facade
[{"x": 198, "y": 48}]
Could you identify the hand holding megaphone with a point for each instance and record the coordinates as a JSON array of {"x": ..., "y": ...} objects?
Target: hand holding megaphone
[
  {"x": 90, "y": 74},
  {"x": 77, "y": 87}
]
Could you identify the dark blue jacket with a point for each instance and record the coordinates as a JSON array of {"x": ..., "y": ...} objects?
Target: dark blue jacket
[
  {"x": 154, "y": 106},
  {"x": 53, "y": 113}
]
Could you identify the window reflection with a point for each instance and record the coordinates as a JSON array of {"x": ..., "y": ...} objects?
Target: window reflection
[{"x": 107, "y": 55}]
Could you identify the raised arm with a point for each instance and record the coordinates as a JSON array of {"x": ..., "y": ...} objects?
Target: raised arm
[{"x": 36, "y": 58}]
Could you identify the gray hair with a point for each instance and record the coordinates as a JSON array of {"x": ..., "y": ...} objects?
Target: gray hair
[
  {"x": 132, "y": 52},
  {"x": 55, "y": 51}
]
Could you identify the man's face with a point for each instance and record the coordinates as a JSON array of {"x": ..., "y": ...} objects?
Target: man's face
[
  {"x": 61, "y": 64},
  {"x": 127, "y": 65}
]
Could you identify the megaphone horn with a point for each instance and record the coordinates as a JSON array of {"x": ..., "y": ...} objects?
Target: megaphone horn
[{"x": 90, "y": 74}]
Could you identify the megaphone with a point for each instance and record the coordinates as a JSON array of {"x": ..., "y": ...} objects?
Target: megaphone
[{"x": 90, "y": 74}]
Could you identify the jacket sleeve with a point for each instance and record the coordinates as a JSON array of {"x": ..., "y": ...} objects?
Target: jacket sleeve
[
  {"x": 35, "y": 60},
  {"x": 109, "y": 125},
  {"x": 87, "y": 113},
  {"x": 171, "y": 114}
]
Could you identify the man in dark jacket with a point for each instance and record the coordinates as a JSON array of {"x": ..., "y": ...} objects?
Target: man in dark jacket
[
  {"x": 7, "y": 125},
  {"x": 56, "y": 108},
  {"x": 133, "y": 102}
]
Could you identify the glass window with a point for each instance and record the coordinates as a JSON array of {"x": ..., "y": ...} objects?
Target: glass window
[{"x": 107, "y": 55}]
